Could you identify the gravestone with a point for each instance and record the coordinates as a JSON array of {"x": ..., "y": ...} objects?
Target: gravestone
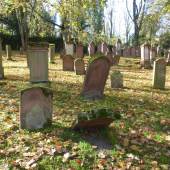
[
  {"x": 99, "y": 48},
  {"x": 8, "y": 52},
  {"x": 95, "y": 79},
  {"x": 118, "y": 47},
  {"x": 68, "y": 63},
  {"x": 145, "y": 56},
  {"x": 91, "y": 48},
  {"x": 69, "y": 49},
  {"x": 110, "y": 57},
  {"x": 79, "y": 66},
  {"x": 114, "y": 50},
  {"x": 79, "y": 51},
  {"x": 152, "y": 54},
  {"x": 1, "y": 66},
  {"x": 159, "y": 73},
  {"x": 38, "y": 64},
  {"x": 116, "y": 59},
  {"x": 116, "y": 79},
  {"x": 104, "y": 48},
  {"x": 51, "y": 53},
  {"x": 168, "y": 58},
  {"x": 36, "y": 108}
]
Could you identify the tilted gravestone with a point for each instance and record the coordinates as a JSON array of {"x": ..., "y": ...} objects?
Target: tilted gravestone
[
  {"x": 51, "y": 53},
  {"x": 159, "y": 73},
  {"x": 8, "y": 52},
  {"x": 79, "y": 66},
  {"x": 36, "y": 108},
  {"x": 69, "y": 49},
  {"x": 79, "y": 51},
  {"x": 1, "y": 66},
  {"x": 38, "y": 64},
  {"x": 68, "y": 63},
  {"x": 145, "y": 56},
  {"x": 116, "y": 79},
  {"x": 116, "y": 60},
  {"x": 95, "y": 79},
  {"x": 91, "y": 48}
]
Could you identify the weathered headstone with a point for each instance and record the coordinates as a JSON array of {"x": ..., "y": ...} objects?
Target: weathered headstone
[
  {"x": 118, "y": 47},
  {"x": 38, "y": 64},
  {"x": 79, "y": 66},
  {"x": 109, "y": 55},
  {"x": 91, "y": 48},
  {"x": 116, "y": 59},
  {"x": 51, "y": 53},
  {"x": 145, "y": 56},
  {"x": 1, "y": 66},
  {"x": 8, "y": 52},
  {"x": 99, "y": 48},
  {"x": 104, "y": 48},
  {"x": 79, "y": 51},
  {"x": 116, "y": 79},
  {"x": 168, "y": 58},
  {"x": 152, "y": 54},
  {"x": 68, "y": 63},
  {"x": 95, "y": 78},
  {"x": 159, "y": 73},
  {"x": 36, "y": 108},
  {"x": 69, "y": 49}
]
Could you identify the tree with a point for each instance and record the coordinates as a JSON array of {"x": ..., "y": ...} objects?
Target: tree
[{"x": 137, "y": 15}]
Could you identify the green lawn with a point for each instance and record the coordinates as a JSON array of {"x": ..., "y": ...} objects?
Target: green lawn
[{"x": 140, "y": 139}]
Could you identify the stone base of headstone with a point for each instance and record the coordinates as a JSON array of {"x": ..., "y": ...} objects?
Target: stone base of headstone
[
  {"x": 36, "y": 108},
  {"x": 116, "y": 79}
]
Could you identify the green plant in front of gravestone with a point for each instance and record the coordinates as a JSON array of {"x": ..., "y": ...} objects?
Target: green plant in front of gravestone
[{"x": 86, "y": 153}]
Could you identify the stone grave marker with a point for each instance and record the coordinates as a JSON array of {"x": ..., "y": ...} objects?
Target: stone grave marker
[
  {"x": 8, "y": 52},
  {"x": 116, "y": 59},
  {"x": 104, "y": 48},
  {"x": 159, "y": 73},
  {"x": 168, "y": 58},
  {"x": 38, "y": 64},
  {"x": 51, "y": 53},
  {"x": 99, "y": 48},
  {"x": 68, "y": 63},
  {"x": 79, "y": 66},
  {"x": 69, "y": 49},
  {"x": 1, "y": 66},
  {"x": 116, "y": 79},
  {"x": 118, "y": 47},
  {"x": 109, "y": 55},
  {"x": 145, "y": 56},
  {"x": 95, "y": 79},
  {"x": 91, "y": 48},
  {"x": 152, "y": 54},
  {"x": 36, "y": 108},
  {"x": 79, "y": 51}
]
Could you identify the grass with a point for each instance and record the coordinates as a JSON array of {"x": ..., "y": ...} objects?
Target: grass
[{"x": 139, "y": 138}]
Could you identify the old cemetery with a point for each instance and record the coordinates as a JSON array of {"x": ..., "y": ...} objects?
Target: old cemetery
[
  {"x": 54, "y": 114},
  {"x": 84, "y": 85}
]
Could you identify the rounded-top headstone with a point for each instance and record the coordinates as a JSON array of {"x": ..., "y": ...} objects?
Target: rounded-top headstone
[{"x": 35, "y": 108}]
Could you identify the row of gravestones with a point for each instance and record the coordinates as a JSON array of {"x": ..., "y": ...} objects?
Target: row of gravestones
[{"x": 36, "y": 103}]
